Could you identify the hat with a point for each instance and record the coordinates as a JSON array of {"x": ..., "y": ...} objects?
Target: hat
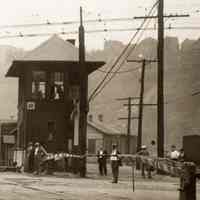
[{"x": 143, "y": 147}]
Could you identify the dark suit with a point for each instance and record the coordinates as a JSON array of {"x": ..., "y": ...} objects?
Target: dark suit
[{"x": 102, "y": 161}]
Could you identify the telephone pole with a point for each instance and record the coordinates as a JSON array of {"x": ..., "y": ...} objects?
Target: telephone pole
[
  {"x": 160, "y": 74},
  {"x": 160, "y": 79},
  {"x": 140, "y": 120},
  {"x": 129, "y": 125},
  {"x": 129, "y": 118},
  {"x": 83, "y": 97},
  {"x": 141, "y": 99}
]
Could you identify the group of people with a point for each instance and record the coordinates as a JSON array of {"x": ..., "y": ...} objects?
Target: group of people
[
  {"x": 36, "y": 152},
  {"x": 115, "y": 160},
  {"x": 174, "y": 154},
  {"x": 34, "y": 156}
]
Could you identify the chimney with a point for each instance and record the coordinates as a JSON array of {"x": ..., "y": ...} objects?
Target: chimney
[
  {"x": 72, "y": 41},
  {"x": 100, "y": 117}
]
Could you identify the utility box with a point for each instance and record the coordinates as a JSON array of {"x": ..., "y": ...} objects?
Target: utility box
[{"x": 191, "y": 146}]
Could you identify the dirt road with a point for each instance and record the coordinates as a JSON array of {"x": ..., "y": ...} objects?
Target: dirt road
[{"x": 22, "y": 187}]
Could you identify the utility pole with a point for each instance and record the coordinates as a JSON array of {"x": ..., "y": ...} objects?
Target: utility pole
[
  {"x": 160, "y": 79},
  {"x": 129, "y": 118},
  {"x": 141, "y": 99},
  {"x": 129, "y": 125},
  {"x": 140, "y": 120},
  {"x": 160, "y": 75},
  {"x": 83, "y": 97}
]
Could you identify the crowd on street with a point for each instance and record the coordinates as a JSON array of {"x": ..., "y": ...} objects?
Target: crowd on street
[{"x": 35, "y": 154}]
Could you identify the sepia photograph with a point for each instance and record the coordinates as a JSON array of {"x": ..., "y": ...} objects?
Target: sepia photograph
[{"x": 100, "y": 100}]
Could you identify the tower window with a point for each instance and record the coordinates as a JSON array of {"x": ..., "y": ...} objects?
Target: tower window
[
  {"x": 57, "y": 86},
  {"x": 39, "y": 85}
]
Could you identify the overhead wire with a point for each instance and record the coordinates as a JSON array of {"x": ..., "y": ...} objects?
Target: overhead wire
[
  {"x": 120, "y": 56},
  {"x": 49, "y": 23},
  {"x": 119, "y": 72},
  {"x": 170, "y": 27},
  {"x": 100, "y": 87}
]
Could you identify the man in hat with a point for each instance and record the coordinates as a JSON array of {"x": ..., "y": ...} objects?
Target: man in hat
[
  {"x": 102, "y": 161},
  {"x": 39, "y": 153},
  {"x": 115, "y": 163},
  {"x": 144, "y": 165},
  {"x": 30, "y": 157}
]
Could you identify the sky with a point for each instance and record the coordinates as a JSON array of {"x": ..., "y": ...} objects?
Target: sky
[{"x": 37, "y": 11}]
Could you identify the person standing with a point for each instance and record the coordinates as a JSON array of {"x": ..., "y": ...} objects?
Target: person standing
[
  {"x": 144, "y": 165},
  {"x": 30, "y": 157},
  {"x": 174, "y": 155},
  {"x": 102, "y": 161},
  {"x": 115, "y": 163},
  {"x": 28, "y": 164},
  {"x": 39, "y": 152}
]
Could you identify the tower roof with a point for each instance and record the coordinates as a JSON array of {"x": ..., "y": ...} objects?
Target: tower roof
[{"x": 57, "y": 50}]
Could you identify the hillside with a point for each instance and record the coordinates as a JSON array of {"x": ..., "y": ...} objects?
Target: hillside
[
  {"x": 182, "y": 75},
  {"x": 181, "y": 80}
]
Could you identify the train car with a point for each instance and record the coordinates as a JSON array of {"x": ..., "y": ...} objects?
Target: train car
[{"x": 191, "y": 146}]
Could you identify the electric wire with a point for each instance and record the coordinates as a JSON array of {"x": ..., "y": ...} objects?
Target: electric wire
[
  {"x": 99, "y": 20},
  {"x": 96, "y": 92},
  {"x": 119, "y": 72},
  {"x": 119, "y": 57},
  {"x": 170, "y": 27}
]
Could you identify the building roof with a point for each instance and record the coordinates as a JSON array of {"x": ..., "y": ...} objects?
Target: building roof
[
  {"x": 104, "y": 128},
  {"x": 55, "y": 50}
]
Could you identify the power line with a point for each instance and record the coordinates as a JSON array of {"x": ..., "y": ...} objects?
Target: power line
[
  {"x": 99, "y": 20},
  {"x": 113, "y": 75},
  {"x": 95, "y": 92},
  {"x": 166, "y": 16},
  {"x": 21, "y": 35},
  {"x": 119, "y": 72}
]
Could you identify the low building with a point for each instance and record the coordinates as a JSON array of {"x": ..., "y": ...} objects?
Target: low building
[
  {"x": 100, "y": 134},
  {"x": 8, "y": 134}
]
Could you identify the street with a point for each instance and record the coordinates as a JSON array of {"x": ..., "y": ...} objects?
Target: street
[{"x": 17, "y": 186}]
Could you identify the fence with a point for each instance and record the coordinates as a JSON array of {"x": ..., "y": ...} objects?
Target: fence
[{"x": 186, "y": 171}]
